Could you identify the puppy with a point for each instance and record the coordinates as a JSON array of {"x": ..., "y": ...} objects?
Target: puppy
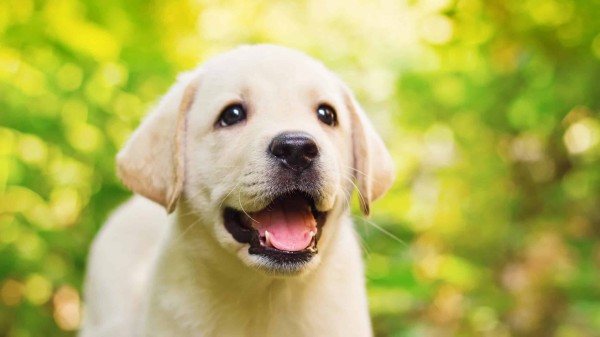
[{"x": 254, "y": 156}]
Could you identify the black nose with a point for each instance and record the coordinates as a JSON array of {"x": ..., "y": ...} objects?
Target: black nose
[{"x": 296, "y": 150}]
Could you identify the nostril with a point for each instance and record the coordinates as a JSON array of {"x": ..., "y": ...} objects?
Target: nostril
[
  {"x": 278, "y": 148},
  {"x": 295, "y": 150},
  {"x": 310, "y": 150}
]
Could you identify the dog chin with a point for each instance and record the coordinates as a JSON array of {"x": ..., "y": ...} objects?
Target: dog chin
[{"x": 279, "y": 268}]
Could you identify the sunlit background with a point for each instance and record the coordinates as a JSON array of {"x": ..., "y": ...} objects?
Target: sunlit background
[{"x": 491, "y": 110}]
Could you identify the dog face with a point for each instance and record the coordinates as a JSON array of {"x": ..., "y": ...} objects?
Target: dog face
[{"x": 264, "y": 144}]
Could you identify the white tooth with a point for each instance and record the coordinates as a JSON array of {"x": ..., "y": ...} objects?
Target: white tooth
[
  {"x": 313, "y": 233},
  {"x": 267, "y": 240}
]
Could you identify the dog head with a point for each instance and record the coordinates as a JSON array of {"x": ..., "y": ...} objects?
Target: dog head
[{"x": 264, "y": 144}]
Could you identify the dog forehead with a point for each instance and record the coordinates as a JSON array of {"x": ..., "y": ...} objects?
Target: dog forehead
[{"x": 267, "y": 65}]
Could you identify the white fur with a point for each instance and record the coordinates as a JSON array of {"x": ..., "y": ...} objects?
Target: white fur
[{"x": 183, "y": 274}]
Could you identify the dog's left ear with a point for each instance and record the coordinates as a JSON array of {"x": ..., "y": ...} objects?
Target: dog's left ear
[
  {"x": 152, "y": 161},
  {"x": 374, "y": 169}
]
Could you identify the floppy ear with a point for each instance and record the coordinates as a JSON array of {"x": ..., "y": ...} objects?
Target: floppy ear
[
  {"x": 152, "y": 161},
  {"x": 374, "y": 169}
]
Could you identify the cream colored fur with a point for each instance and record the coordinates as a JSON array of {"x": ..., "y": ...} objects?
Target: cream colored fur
[{"x": 183, "y": 274}]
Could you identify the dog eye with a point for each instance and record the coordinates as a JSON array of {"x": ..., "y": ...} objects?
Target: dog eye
[
  {"x": 232, "y": 114},
  {"x": 327, "y": 114}
]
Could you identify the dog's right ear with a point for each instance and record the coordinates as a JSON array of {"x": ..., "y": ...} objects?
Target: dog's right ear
[
  {"x": 152, "y": 161},
  {"x": 373, "y": 165}
]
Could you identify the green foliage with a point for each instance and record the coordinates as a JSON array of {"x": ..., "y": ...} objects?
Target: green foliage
[{"x": 490, "y": 109}]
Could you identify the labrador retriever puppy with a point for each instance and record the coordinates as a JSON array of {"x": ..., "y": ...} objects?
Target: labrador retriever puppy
[{"x": 254, "y": 157}]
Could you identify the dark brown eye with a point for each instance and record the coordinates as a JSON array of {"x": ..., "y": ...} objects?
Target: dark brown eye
[
  {"x": 327, "y": 114},
  {"x": 231, "y": 115}
]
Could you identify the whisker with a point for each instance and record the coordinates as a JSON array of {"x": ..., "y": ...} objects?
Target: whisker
[
  {"x": 362, "y": 198},
  {"x": 355, "y": 170},
  {"x": 187, "y": 229},
  {"x": 187, "y": 213},
  {"x": 342, "y": 192},
  {"x": 242, "y": 207},
  {"x": 384, "y": 231},
  {"x": 364, "y": 246},
  {"x": 192, "y": 196},
  {"x": 227, "y": 166},
  {"x": 366, "y": 221},
  {"x": 228, "y": 194}
]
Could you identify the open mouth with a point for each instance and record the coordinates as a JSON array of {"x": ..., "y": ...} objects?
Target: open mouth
[{"x": 286, "y": 231}]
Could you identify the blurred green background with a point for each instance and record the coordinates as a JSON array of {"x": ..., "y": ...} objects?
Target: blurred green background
[{"x": 491, "y": 110}]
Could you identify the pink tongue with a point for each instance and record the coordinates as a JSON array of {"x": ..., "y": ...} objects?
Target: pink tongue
[{"x": 289, "y": 223}]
